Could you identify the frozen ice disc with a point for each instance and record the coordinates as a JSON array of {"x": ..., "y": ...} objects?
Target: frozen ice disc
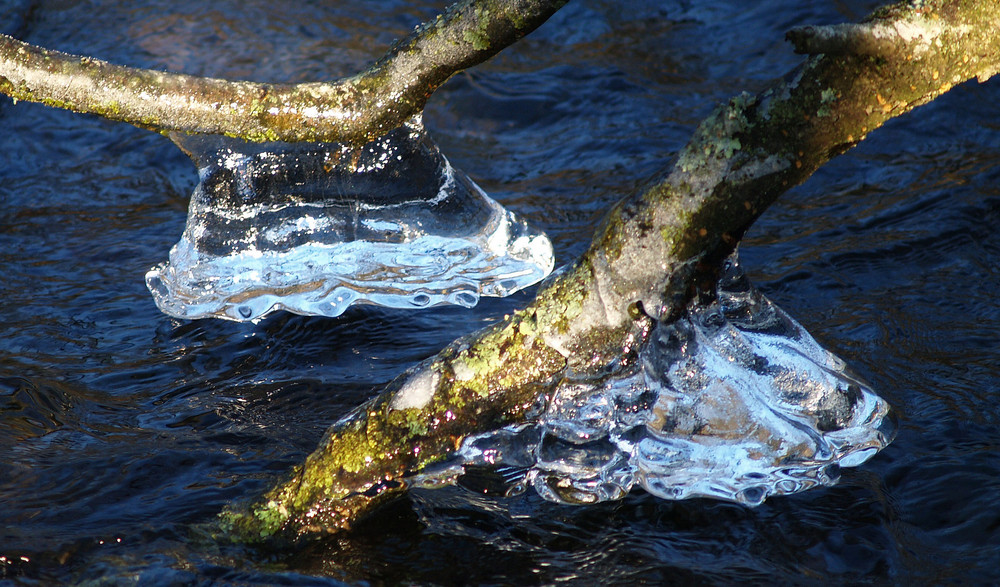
[
  {"x": 734, "y": 401},
  {"x": 313, "y": 228}
]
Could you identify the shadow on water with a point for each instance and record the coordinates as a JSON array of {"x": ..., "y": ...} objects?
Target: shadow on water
[{"x": 121, "y": 429}]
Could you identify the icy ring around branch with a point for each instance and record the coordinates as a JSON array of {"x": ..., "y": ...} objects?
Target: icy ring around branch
[
  {"x": 735, "y": 401},
  {"x": 314, "y": 228}
]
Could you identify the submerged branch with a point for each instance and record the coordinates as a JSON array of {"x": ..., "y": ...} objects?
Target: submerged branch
[
  {"x": 656, "y": 250},
  {"x": 354, "y": 109}
]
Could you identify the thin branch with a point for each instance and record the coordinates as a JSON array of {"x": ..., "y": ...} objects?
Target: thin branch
[
  {"x": 651, "y": 256},
  {"x": 355, "y": 109}
]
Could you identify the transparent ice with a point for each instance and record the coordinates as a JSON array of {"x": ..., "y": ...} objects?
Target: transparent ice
[
  {"x": 735, "y": 401},
  {"x": 313, "y": 228}
]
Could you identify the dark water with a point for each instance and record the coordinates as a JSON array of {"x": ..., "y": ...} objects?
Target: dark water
[{"x": 120, "y": 427}]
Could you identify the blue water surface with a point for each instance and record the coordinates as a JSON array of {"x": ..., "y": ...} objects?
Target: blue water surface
[{"x": 122, "y": 429}]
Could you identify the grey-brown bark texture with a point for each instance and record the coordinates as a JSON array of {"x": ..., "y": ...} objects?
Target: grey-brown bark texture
[
  {"x": 656, "y": 250},
  {"x": 352, "y": 110}
]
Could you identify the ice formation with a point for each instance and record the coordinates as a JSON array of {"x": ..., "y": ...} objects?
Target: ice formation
[
  {"x": 735, "y": 401},
  {"x": 314, "y": 228}
]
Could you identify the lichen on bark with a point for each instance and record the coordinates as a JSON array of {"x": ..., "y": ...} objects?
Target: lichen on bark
[
  {"x": 656, "y": 250},
  {"x": 354, "y": 110}
]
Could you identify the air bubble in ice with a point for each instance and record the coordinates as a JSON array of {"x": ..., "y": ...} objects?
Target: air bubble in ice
[
  {"x": 313, "y": 228},
  {"x": 734, "y": 401},
  {"x": 466, "y": 299}
]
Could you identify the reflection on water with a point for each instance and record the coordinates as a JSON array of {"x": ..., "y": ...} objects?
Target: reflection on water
[{"x": 120, "y": 427}]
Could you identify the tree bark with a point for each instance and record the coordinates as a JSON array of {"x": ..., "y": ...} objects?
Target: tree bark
[
  {"x": 655, "y": 251},
  {"x": 352, "y": 110}
]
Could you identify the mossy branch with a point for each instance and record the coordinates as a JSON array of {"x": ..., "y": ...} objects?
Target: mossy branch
[
  {"x": 355, "y": 109},
  {"x": 656, "y": 250}
]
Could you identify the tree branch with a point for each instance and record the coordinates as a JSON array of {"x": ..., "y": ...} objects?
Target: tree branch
[
  {"x": 355, "y": 109},
  {"x": 655, "y": 251},
  {"x": 893, "y": 30}
]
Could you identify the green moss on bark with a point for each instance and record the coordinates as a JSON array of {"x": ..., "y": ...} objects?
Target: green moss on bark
[{"x": 655, "y": 248}]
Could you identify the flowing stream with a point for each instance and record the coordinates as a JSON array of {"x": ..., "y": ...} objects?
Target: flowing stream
[{"x": 122, "y": 428}]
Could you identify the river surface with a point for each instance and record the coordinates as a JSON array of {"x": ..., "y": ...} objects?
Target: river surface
[{"x": 122, "y": 428}]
